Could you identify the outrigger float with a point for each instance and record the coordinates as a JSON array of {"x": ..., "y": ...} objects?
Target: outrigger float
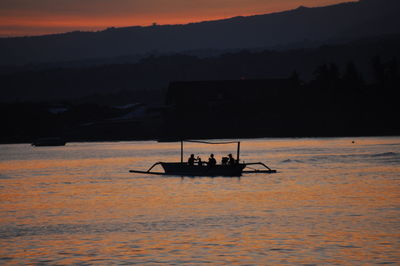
[{"x": 184, "y": 169}]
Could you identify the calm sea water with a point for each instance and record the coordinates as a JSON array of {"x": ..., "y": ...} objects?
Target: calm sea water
[{"x": 332, "y": 202}]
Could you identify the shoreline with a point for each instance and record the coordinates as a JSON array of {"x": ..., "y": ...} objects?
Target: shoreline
[{"x": 212, "y": 138}]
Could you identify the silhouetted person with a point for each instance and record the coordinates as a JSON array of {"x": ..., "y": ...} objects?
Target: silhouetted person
[
  {"x": 231, "y": 160},
  {"x": 211, "y": 160},
  {"x": 199, "y": 161},
  {"x": 224, "y": 160},
  {"x": 191, "y": 160}
]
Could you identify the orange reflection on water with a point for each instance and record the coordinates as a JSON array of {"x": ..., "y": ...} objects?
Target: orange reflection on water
[{"x": 88, "y": 210}]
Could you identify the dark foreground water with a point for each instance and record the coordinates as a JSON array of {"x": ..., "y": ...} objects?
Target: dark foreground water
[{"x": 332, "y": 202}]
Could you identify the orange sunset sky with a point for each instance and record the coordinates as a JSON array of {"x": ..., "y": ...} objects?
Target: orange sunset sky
[{"x": 37, "y": 17}]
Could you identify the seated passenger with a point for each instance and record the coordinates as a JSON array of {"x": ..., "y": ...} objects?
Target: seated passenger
[
  {"x": 231, "y": 160},
  {"x": 224, "y": 160},
  {"x": 191, "y": 160},
  {"x": 211, "y": 160},
  {"x": 200, "y": 163}
]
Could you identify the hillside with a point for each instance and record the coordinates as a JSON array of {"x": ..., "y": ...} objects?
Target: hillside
[
  {"x": 302, "y": 27},
  {"x": 153, "y": 74}
]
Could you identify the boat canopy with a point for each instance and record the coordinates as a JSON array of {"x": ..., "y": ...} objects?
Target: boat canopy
[{"x": 216, "y": 143}]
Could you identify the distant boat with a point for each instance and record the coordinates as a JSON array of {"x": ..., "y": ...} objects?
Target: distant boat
[
  {"x": 224, "y": 169},
  {"x": 55, "y": 141}
]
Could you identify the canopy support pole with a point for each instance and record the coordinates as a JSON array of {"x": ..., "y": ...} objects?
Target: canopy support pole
[
  {"x": 181, "y": 151},
  {"x": 238, "y": 151}
]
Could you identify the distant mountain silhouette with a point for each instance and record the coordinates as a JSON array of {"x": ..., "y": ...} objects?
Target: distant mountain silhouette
[{"x": 302, "y": 27}]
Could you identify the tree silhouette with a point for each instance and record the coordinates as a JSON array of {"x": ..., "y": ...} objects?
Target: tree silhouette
[
  {"x": 378, "y": 70},
  {"x": 328, "y": 77},
  {"x": 352, "y": 79},
  {"x": 392, "y": 73}
]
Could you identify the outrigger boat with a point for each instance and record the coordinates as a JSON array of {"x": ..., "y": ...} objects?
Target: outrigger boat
[{"x": 184, "y": 169}]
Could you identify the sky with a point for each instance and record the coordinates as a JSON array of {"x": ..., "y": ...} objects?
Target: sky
[{"x": 38, "y": 17}]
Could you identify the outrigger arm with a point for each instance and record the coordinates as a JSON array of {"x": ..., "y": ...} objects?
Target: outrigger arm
[
  {"x": 254, "y": 171},
  {"x": 148, "y": 171}
]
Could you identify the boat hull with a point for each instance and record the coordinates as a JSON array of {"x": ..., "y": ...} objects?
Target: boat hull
[{"x": 195, "y": 170}]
